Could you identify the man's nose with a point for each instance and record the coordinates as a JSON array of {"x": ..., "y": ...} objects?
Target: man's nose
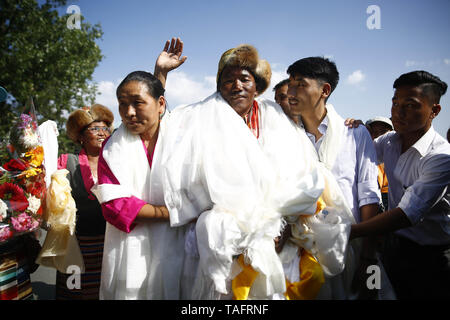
[
  {"x": 290, "y": 92},
  {"x": 237, "y": 85}
]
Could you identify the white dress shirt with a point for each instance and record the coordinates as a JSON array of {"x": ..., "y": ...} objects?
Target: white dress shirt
[
  {"x": 418, "y": 184},
  {"x": 355, "y": 167}
]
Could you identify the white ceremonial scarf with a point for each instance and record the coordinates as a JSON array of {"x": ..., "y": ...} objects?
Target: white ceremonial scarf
[
  {"x": 126, "y": 157},
  {"x": 301, "y": 177},
  {"x": 48, "y": 132},
  {"x": 145, "y": 263},
  {"x": 341, "y": 265},
  {"x": 239, "y": 188},
  {"x": 215, "y": 170},
  {"x": 331, "y": 143}
]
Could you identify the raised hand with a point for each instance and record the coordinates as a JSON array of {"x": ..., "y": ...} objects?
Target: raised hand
[{"x": 169, "y": 59}]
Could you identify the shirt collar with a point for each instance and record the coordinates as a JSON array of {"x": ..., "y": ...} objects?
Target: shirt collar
[
  {"x": 422, "y": 145},
  {"x": 322, "y": 126}
]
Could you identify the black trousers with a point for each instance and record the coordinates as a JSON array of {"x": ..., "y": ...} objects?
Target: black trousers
[{"x": 416, "y": 271}]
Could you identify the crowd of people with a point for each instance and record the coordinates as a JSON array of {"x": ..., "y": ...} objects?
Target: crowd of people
[{"x": 240, "y": 197}]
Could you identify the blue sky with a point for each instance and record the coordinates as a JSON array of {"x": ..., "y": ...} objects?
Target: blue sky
[{"x": 414, "y": 35}]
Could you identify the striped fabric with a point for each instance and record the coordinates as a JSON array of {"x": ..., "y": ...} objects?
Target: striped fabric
[
  {"x": 92, "y": 251},
  {"x": 15, "y": 281}
]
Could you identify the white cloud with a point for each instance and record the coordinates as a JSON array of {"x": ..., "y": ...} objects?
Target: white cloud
[
  {"x": 181, "y": 89},
  {"x": 356, "y": 77},
  {"x": 107, "y": 94},
  {"x": 107, "y": 97},
  {"x": 411, "y": 63},
  {"x": 428, "y": 63}
]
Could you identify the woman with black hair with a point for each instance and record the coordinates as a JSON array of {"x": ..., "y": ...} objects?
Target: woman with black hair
[{"x": 142, "y": 256}]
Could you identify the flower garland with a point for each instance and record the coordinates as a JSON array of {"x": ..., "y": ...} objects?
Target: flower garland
[{"x": 22, "y": 184}]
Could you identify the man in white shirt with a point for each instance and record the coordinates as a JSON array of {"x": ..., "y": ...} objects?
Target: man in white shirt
[
  {"x": 417, "y": 164},
  {"x": 348, "y": 153}
]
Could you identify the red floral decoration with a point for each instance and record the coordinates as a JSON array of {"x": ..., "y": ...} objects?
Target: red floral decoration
[
  {"x": 22, "y": 180},
  {"x": 15, "y": 195},
  {"x": 15, "y": 165},
  {"x": 37, "y": 189}
]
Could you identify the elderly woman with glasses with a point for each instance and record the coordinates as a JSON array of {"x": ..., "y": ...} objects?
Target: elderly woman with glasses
[{"x": 88, "y": 127}]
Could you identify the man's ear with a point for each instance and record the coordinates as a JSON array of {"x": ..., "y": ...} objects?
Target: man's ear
[
  {"x": 326, "y": 90},
  {"x": 436, "y": 108}
]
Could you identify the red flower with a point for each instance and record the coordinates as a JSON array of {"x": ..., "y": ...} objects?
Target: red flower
[
  {"x": 36, "y": 188},
  {"x": 15, "y": 165},
  {"x": 17, "y": 199}
]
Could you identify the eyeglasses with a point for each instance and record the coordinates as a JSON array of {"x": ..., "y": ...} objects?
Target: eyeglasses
[{"x": 97, "y": 129}]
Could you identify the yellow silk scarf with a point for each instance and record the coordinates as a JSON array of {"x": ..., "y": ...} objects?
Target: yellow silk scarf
[
  {"x": 311, "y": 279},
  {"x": 311, "y": 276}
]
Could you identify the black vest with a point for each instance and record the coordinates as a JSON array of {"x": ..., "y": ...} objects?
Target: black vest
[{"x": 90, "y": 221}]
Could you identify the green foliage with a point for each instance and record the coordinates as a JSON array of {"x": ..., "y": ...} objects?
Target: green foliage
[{"x": 42, "y": 58}]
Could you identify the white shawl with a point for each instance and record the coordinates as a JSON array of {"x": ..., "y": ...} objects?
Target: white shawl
[
  {"x": 340, "y": 268},
  {"x": 239, "y": 188},
  {"x": 214, "y": 169},
  {"x": 331, "y": 143},
  {"x": 145, "y": 263}
]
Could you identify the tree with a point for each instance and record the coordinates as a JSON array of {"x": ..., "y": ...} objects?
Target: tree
[{"x": 40, "y": 57}]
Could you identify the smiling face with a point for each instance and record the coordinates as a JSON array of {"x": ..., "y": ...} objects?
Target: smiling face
[
  {"x": 412, "y": 111},
  {"x": 238, "y": 88},
  {"x": 93, "y": 135},
  {"x": 305, "y": 94},
  {"x": 140, "y": 112}
]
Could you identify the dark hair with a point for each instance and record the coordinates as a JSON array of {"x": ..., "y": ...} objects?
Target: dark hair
[
  {"x": 432, "y": 86},
  {"x": 154, "y": 86},
  {"x": 383, "y": 124},
  {"x": 280, "y": 84},
  {"x": 317, "y": 68}
]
